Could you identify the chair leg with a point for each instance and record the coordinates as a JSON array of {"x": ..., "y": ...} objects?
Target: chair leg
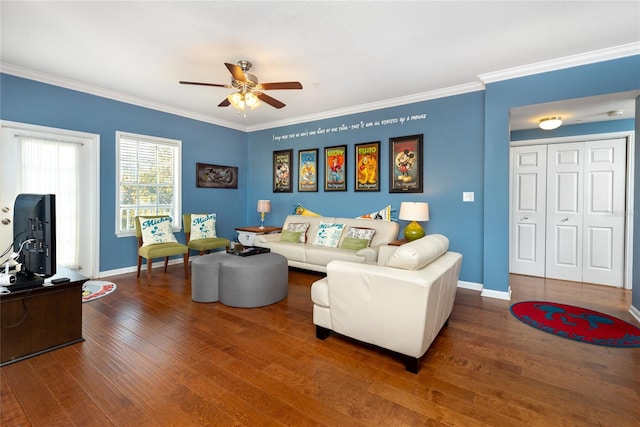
[
  {"x": 166, "y": 263},
  {"x": 412, "y": 364},
  {"x": 187, "y": 255},
  {"x": 186, "y": 265},
  {"x": 149, "y": 265},
  {"x": 322, "y": 333},
  {"x": 139, "y": 265}
]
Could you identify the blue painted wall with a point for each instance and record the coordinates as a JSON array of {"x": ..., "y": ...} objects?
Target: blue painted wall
[
  {"x": 589, "y": 80},
  {"x": 466, "y": 148},
  {"x": 452, "y": 131},
  {"x": 635, "y": 211},
  {"x": 36, "y": 103}
]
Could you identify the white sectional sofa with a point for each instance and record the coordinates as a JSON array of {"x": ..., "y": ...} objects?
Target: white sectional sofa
[
  {"x": 400, "y": 304},
  {"x": 313, "y": 257}
]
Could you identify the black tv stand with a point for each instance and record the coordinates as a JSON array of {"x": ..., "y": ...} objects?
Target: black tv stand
[{"x": 26, "y": 281}]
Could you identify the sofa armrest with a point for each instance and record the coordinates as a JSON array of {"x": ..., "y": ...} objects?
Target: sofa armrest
[
  {"x": 383, "y": 253},
  {"x": 370, "y": 254},
  {"x": 266, "y": 238}
]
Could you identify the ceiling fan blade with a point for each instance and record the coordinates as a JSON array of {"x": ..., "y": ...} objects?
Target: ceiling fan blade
[
  {"x": 236, "y": 72},
  {"x": 204, "y": 84},
  {"x": 225, "y": 103},
  {"x": 269, "y": 100},
  {"x": 280, "y": 85}
]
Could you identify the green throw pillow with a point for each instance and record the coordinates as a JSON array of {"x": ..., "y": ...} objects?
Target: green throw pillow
[
  {"x": 290, "y": 236},
  {"x": 354, "y": 244}
]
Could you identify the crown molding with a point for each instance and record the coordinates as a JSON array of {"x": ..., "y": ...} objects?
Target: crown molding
[
  {"x": 30, "y": 74},
  {"x": 601, "y": 55},
  {"x": 617, "y": 52},
  {"x": 387, "y": 103}
]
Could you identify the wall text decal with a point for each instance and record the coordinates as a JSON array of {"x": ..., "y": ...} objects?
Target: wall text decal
[{"x": 353, "y": 127}]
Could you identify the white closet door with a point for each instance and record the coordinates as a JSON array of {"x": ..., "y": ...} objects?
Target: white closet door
[
  {"x": 565, "y": 211},
  {"x": 604, "y": 213},
  {"x": 528, "y": 210}
]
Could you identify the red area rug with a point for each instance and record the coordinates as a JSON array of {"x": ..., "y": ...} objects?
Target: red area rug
[{"x": 577, "y": 323}]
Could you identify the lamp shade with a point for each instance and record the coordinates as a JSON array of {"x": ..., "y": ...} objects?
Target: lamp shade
[
  {"x": 264, "y": 205},
  {"x": 414, "y": 211}
]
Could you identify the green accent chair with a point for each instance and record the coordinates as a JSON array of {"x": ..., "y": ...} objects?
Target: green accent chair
[
  {"x": 202, "y": 245},
  {"x": 159, "y": 250}
]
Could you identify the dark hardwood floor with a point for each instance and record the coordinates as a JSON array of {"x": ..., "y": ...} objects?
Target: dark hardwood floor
[{"x": 152, "y": 357}]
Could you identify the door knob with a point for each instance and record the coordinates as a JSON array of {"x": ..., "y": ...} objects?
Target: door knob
[
  {"x": 525, "y": 218},
  {"x": 565, "y": 219},
  {"x": 6, "y": 221}
]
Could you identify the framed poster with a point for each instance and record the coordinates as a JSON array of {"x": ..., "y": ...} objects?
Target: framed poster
[
  {"x": 215, "y": 176},
  {"x": 335, "y": 170},
  {"x": 282, "y": 168},
  {"x": 367, "y": 169},
  {"x": 405, "y": 164},
  {"x": 308, "y": 170}
]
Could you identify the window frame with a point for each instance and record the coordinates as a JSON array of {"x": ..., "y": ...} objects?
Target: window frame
[{"x": 177, "y": 179}]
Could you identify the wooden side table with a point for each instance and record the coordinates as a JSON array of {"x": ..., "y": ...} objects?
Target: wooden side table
[
  {"x": 247, "y": 235},
  {"x": 398, "y": 242}
]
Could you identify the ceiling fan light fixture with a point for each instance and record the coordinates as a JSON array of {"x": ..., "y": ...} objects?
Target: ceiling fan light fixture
[
  {"x": 241, "y": 100},
  {"x": 550, "y": 123},
  {"x": 251, "y": 100}
]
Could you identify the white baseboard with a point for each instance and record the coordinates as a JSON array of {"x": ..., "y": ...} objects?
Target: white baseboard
[
  {"x": 470, "y": 285},
  {"x": 489, "y": 293},
  {"x": 133, "y": 269},
  {"x": 635, "y": 313}
]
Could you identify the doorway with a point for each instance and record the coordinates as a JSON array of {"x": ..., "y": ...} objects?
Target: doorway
[
  {"x": 567, "y": 209},
  {"x": 85, "y": 197}
]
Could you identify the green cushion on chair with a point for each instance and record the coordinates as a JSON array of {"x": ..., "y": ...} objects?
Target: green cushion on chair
[
  {"x": 161, "y": 250},
  {"x": 208, "y": 243}
]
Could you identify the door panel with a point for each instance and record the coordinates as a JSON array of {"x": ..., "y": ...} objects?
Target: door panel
[
  {"x": 564, "y": 211},
  {"x": 528, "y": 209},
  {"x": 605, "y": 171},
  {"x": 580, "y": 234}
]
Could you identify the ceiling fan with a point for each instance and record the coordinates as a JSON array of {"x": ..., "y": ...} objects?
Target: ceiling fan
[{"x": 250, "y": 91}]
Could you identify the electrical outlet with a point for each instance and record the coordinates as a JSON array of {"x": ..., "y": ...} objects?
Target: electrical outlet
[{"x": 468, "y": 196}]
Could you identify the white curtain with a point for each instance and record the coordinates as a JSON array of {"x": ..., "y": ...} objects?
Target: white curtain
[{"x": 51, "y": 167}]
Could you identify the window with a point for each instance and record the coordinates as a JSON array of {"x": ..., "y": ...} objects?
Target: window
[
  {"x": 51, "y": 166},
  {"x": 148, "y": 175}
]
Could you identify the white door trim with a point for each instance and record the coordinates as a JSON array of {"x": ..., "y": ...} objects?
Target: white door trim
[
  {"x": 91, "y": 169},
  {"x": 629, "y": 217}
]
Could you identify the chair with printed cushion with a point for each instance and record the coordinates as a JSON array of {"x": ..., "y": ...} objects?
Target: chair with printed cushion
[
  {"x": 200, "y": 230},
  {"x": 156, "y": 240}
]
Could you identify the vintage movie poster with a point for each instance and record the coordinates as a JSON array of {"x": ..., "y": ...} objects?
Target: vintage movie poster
[{"x": 335, "y": 178}]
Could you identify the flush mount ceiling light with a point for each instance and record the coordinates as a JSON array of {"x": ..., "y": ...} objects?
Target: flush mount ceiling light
[{"x": 550, "y": 123}]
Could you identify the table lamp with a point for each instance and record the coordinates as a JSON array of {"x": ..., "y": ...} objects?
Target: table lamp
[
  {"x": 414, "y": 211},
  {"x": 263, "y": 206}
]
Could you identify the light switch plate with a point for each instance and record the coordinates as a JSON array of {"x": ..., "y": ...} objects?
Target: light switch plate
[{"x": 468, "y": 196}]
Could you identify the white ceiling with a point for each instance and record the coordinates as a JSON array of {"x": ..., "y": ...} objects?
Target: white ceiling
[{"x": 349, "y": 55}]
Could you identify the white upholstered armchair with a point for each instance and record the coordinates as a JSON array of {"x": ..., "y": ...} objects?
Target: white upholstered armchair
[{"x": 400, "y": 303}]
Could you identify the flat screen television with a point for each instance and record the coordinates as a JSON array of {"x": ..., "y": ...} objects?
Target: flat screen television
[{"x": 34, "y": 236}]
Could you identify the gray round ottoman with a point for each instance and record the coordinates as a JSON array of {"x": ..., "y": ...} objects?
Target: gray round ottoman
[{"x": 236, "y": 281}]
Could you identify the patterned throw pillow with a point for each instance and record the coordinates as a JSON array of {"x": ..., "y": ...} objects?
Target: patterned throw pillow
[
  {"x": 203, "y": 226},
  {"x": 156, "y": 230},
  {"x": 361, "y": 233},
  {"x": 328, "y": 234},
  {"x": 300, "y": 227}
]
